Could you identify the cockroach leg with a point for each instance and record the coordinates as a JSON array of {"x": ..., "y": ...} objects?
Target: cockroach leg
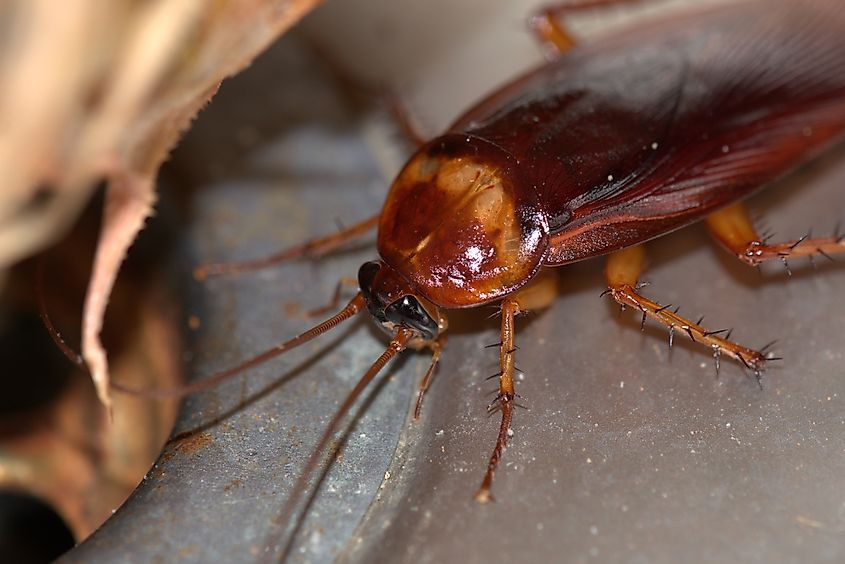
[
  {"x": 622, "y": 272},
  {"x": 335, "y": 300},
  {"x": 407, "y": 124},
  {"x": 733, "y": 228},
  {"x": 505, "y": 398},
  {"x": 406, "y": 121},
  {"x": 552, "y": 35},
  {"x": 538, "y": 294},
  {"x": 314, "y": 248},
  {"x": 435, "y": 358}
]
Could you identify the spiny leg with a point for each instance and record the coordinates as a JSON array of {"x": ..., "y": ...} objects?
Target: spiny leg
[
  {"x": 314, "y": 248},
  {"x": 536, "y": 295},
  {"x": 552, "y": 35},
  {"x": 622, "y": 273},
  {"x": 505, "y": 398},
  {"x": 733, "y": 228}
]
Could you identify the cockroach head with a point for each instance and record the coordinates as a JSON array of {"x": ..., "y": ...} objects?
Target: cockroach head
[{"x": 393, "y": 304}]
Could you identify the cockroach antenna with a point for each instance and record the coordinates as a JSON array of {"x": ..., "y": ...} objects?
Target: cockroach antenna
[
  {"x": 353, "y": 307},
  {"x": 356, "y": 305},
  {"x": 396, "y": 345},
  {"x": 71, "y": 354},
  {"x": 313, "y": 248}
]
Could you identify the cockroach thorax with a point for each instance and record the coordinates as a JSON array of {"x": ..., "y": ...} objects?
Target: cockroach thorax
[{"x": 460, "y": 224}]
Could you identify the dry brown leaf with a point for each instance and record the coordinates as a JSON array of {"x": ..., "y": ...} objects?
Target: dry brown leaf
[{"x": 102, "y": 91}]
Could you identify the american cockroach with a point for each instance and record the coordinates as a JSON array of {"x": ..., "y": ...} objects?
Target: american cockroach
[{"x": 609, "y": 145}]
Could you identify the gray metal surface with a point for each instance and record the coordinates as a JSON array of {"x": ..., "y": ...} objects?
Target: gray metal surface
[{"x": 624, "y": 452}]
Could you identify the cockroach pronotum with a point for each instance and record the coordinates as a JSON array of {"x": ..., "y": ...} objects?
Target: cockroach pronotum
[{"x": 610, "y": 144}]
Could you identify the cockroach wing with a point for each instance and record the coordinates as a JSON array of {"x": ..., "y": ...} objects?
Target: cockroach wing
[{"x": 628, "y": 138}]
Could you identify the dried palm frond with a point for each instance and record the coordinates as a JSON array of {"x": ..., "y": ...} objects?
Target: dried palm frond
[{"x": 94, "y": 92}]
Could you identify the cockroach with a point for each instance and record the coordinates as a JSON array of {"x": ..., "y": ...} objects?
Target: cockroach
[{"x": 608, "y": 145}]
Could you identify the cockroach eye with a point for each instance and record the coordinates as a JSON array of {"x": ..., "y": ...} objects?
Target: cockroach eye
[{"x": 366, "y": 278}]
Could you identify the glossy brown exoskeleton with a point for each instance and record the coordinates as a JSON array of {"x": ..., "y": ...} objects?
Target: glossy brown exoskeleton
[{"x": 607, "y": 146}]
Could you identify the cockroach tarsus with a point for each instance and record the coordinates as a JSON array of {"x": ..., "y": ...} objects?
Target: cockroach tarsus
[{"x": 608, "y": 145}]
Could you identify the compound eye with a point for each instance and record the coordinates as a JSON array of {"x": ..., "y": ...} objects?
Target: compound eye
[
  {"x": 366, "y": 276},
  {"x": 366, "y": 280},
  {"x": 409, "y": 312}
]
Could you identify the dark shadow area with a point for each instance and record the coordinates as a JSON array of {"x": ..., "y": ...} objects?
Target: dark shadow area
[
  {"x": 34, "y": 370},
  {"x": 30, "y": 532}
]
